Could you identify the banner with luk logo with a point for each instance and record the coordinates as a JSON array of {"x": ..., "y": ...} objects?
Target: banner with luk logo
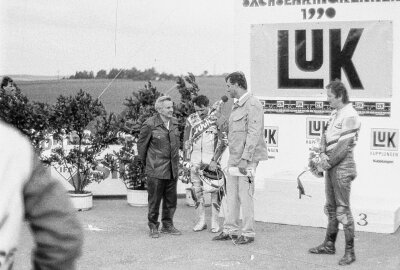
[
  {"x": 299, "y": 60},
  {"x": 384, "y": 145}
]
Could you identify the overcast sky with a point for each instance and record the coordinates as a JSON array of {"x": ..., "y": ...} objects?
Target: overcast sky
[{"x": 47, "y": 37}]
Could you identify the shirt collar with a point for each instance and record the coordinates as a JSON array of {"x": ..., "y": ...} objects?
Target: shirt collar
[
  {"x": 243, "y": 96},
  {"x": 161, "y": 122},
  {"x": 242, "y": 99}
]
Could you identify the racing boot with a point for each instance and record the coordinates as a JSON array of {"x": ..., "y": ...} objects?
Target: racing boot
[
  {"x": 328, "y": 246},
  {"x": 349, "y": 255},
  {"x": 201, "y": 216}
]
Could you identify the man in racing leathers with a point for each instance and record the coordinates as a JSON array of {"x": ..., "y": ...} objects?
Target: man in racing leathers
[
  {"x": 337, "y": 161},
  {"x": 207, "y": 148}
]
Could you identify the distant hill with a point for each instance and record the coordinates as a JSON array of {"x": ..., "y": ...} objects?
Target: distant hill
[{"x": 24, "y": 77}]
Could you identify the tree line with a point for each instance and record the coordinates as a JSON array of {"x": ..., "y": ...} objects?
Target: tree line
[{"x": 149, "y": 74}]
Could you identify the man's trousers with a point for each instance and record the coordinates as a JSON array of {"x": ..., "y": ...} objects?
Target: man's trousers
[
  {"x": 337, "y": 207},
  {"x": 165, "y": 190},
  {"x": 239, "y": 194}
]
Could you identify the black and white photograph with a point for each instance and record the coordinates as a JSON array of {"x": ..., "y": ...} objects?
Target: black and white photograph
[{"x": 199, "y": 134}]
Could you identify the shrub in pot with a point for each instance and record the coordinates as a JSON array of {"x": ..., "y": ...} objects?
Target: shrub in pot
[
  {"x": 75, "y": 114},
  {"x": 131, "y": 172}
]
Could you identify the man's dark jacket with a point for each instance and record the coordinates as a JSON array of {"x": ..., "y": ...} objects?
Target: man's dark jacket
[{"x": 158, "y": 147}]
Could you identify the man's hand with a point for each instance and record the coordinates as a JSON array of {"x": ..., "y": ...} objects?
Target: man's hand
[
  {"x": 213, "y": 165},
  {"x": 324, "y": 157},
  {"x": 323, "y": 165},
  {"x": 243, "y": 166}
]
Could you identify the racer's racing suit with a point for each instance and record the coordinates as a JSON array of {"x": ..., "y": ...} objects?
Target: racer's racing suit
[
  {"x": 208, "y": 147},
  {"x": 339, "y": 141}
]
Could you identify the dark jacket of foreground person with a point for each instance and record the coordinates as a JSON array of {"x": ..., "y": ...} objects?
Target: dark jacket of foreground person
[
  {"x": 27, "y": 190},
  {"x": 158, "y": 148}
]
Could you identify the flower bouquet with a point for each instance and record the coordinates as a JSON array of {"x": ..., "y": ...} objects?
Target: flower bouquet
[
  {"x": 313, "y": 166},
  {"x": 313, "y": 161}
]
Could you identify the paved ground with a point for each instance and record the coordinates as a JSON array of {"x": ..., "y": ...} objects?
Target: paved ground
[{"x": 122, "y": 242}]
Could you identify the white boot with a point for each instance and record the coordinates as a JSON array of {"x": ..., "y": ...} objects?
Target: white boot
[{"x": 201, "y": 214}]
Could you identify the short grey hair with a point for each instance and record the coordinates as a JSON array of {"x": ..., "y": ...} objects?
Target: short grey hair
[{"x": 159, "y": 102}]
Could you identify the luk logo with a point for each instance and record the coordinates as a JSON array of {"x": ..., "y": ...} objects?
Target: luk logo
[
  {"x": 380, "y": 106},
  {"x": 271, "y": 136},
  {"x": 299, "y": 104},
  {"x": 384, "y": 139},
  {"x": 340, "y": 58},
  {"x": 319, "y": 104},
  {"x": 315, "y": 127},
  {"x": 359, "y": 105}
]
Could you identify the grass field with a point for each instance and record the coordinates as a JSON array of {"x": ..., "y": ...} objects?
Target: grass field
[{"x": 114, "y": 97}]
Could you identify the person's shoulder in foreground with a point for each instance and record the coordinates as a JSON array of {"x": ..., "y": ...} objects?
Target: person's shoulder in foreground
[{"x": 28, "y": 191}]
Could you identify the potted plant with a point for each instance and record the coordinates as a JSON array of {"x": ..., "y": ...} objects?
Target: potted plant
[
  {"x": 94, "y": 131},
  {"x": 130, "y": 170}
]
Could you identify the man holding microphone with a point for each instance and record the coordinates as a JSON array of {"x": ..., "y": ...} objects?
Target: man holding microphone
[{"x": 246, "y": 148}]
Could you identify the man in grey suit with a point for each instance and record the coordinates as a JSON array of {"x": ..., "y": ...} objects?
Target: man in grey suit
[{"x": 246, "y": 148}]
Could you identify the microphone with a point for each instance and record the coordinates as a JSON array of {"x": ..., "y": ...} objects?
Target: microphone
[
  {"x": 218, "y": 104},
  {"x": 224, "y": 99}
]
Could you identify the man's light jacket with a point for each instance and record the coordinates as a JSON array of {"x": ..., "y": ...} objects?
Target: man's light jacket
[{"x": 246, "y": 131}]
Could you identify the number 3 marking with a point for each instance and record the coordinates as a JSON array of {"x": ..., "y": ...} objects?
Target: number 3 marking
[{"x": 363, "y": 218}]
